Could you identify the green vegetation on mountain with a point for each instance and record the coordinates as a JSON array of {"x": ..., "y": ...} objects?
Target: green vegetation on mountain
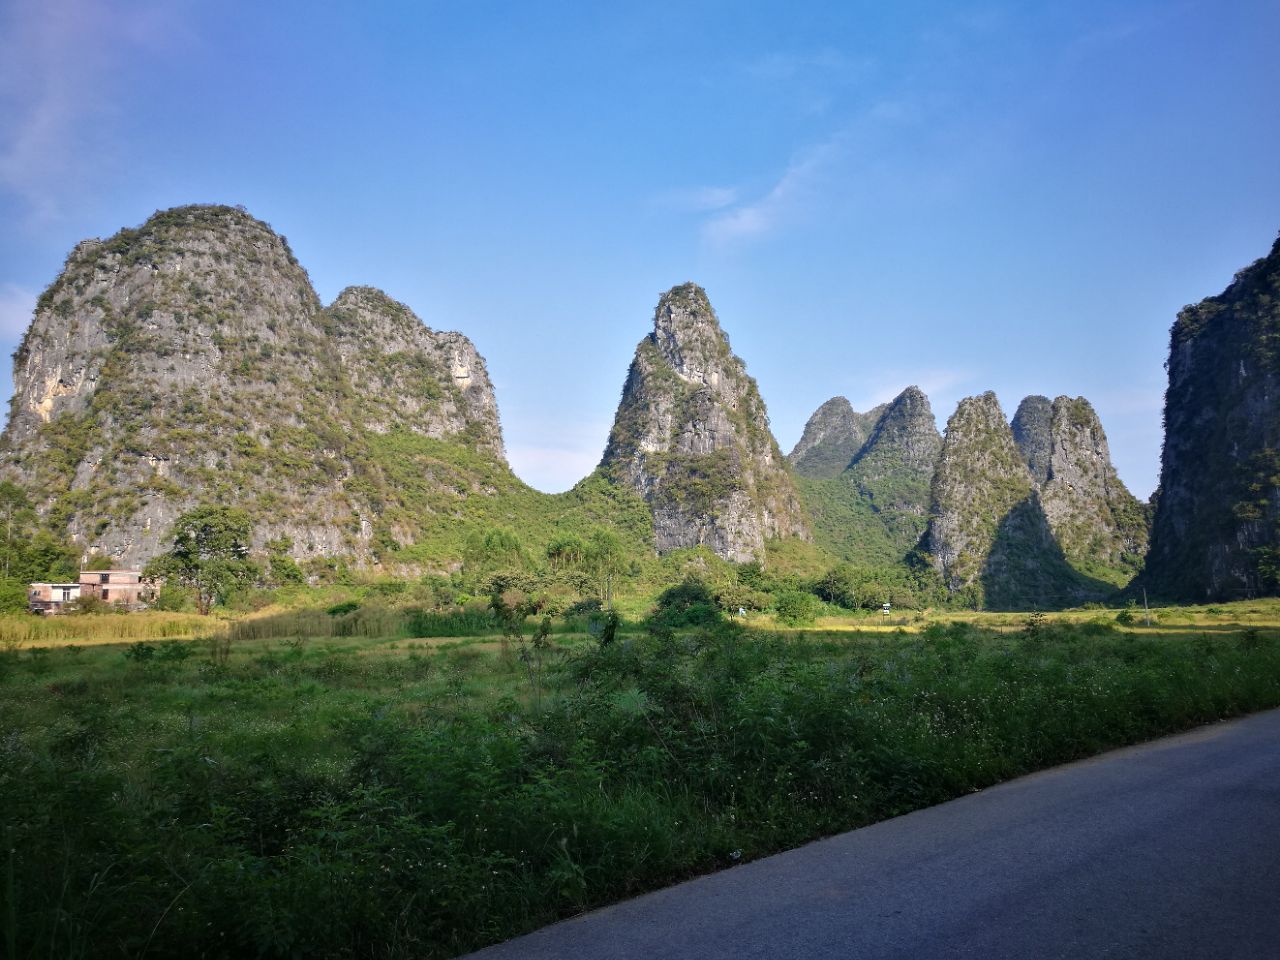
[
  {"x": 188, "y": 363},
  {"x": 875, "y": 510},
  {"x": 846, "y": 523},
  {"x": 832, "y": 438}
]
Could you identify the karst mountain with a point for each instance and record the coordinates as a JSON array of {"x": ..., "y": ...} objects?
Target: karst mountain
[{"x": 189, "y": 361}]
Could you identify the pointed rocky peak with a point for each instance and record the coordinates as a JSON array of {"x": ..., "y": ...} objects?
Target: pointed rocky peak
[
  {"x": 1100, "y": 525},
  {"x": 691, "y": 437},
  {"x": 905, "y": 433},
  {"x": 687, "y": 334},
  {"x": 979, "y": 442},
  {"x": 831, "y": 438},
  {"x": 1031, "y": 431},
  {"x": 980, "y": 479},
  {"x": 1078, "y": 444}
]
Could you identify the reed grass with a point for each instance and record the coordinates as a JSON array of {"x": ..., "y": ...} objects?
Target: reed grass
[{"x": 90, "y": 629}]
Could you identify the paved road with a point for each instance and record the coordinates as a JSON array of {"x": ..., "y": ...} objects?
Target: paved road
[{"x": 1164, "y": 851}]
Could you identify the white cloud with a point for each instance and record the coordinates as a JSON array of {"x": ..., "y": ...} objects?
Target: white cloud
[
  {"x": 17, "y": 304},
  {"x": 793, "y": 193},
  {"x": 825, "y": 64},
  {"x": 699, "y": 199}
]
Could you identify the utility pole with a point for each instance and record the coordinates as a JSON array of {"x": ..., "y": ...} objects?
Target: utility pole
[{"x": 1146, "y": 609}]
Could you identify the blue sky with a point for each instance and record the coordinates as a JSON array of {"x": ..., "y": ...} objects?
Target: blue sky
[{"x": 1007, "y": 196}]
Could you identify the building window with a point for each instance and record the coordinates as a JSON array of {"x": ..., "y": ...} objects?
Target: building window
[
  {"x": 105, "y": 578},
  {"x": 66, "y": 595},
  {"x": 105, "y": 593}
]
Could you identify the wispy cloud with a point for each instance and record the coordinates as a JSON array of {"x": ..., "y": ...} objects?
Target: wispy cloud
[
  {"x": 789, "y": 197},
  {"x": 815, "y": 175},
  {"x": 17, "y": 304},
  {"x": 698, "y": 199},
  {"x": 58, "y": 61},
  {"x": 828, "y": 65}
]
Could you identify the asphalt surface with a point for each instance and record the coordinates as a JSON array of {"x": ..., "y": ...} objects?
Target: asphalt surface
[{"x": 1166, "y": 850}]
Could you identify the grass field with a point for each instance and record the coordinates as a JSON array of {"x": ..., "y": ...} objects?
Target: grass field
[{"x": 258, "y": 792}]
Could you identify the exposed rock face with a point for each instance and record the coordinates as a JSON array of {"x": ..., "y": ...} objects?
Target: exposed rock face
[
  {"x": 1034, "y": 521},
  {"x": 407, "y": 376},
  {"x": 832, "y": 437},
  {"x": 1216, "y": 532},
  {"x": 1032, "y": 431},
  {"x": 1100, "y": 526},
  {"x": 980, "y": 480},
  {"x": 692, "y": 438},
  {"x": 190, "y": 360}
]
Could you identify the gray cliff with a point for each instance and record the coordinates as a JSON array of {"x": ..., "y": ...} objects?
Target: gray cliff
[
  {"x": 691, "y": 437},
  {"x": 1216, "y": 531},
  {"x": 189, "y": 360}
]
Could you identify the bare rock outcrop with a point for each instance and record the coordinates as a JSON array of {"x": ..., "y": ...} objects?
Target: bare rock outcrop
[
  {"x": 691, "y": 437},
  {"x": 990, "y": 538},
  {"x": 980, "y": 480},
  {"x": 1216, "y": 530},
  {"x": 1101, "y": 527},
  {"x": 189, "y": 360}
]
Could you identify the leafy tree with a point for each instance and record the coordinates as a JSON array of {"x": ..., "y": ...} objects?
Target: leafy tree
[
  {"x": 565, "y": 553},
  {"x": 604, "y": 559},
  {"x": 492, "y": 550},
  {"x": 13, "y": 596},
  {"x": 44, "y": 557},
  {"x": 512, "y": 608},
  {"x": 210, "y": 555},
  {"x": 282, "y": 569},
  {"x": 172, "y": 598},
  {"x": 14, "y": 505}
]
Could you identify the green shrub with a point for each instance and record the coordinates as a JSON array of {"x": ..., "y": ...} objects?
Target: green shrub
[
  {"x": 140, "y": 652},
  {"x": 689, "y": 604},
  {"x": 796, "y": 608}
]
